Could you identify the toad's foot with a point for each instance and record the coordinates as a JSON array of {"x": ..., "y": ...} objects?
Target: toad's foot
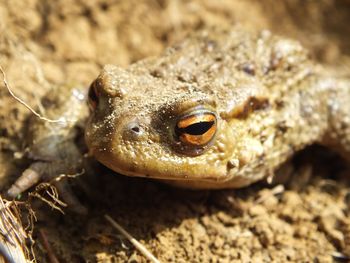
[{"x": 48, "y": 172}]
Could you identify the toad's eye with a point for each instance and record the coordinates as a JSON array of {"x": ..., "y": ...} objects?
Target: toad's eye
[
  {"x": 93, "y": 96},
  {"x": 197, "y": 128}
]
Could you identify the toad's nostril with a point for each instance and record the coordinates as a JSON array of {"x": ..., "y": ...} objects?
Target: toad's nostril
[{"x": 136, "y": 129}]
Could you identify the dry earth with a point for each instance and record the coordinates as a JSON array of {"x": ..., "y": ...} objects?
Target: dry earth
[{"x": 44, "y": 44}]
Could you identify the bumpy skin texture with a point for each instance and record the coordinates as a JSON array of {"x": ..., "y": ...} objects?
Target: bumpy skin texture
[{"x": 270, "y": 100}]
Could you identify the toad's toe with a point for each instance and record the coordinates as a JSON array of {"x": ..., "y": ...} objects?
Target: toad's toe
[
  {"x": 69, "y": 197},
  {"x": 29, "y": 177}
]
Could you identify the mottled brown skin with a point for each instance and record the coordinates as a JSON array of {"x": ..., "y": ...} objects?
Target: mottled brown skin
[{"x": 270, "y": 100}]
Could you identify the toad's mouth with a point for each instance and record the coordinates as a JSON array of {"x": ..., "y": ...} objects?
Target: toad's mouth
[{"x": 163, "y": 168}]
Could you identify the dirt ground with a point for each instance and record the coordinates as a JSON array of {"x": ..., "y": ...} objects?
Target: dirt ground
[{"x": 299, "y": 218}]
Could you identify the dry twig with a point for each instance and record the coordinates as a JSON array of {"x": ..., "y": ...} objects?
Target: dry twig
[
  {"x": 12, "y": 234},
  {"x": 49, "y": 250},
  {"x": 143, "y": 250}
]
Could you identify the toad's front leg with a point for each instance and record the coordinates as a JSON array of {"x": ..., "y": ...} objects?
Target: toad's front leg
[
  {"x": 52, "y": 145},
  {"x": 338, "y": 102},
  {"x": 50, "y": 171}
]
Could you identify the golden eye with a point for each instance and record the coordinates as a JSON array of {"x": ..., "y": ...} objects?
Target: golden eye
[
  {"x": 93, "y": 96},
  {"x": 197, "y": 129}
]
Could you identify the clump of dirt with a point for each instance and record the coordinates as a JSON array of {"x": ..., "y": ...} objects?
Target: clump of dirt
[{"x": 44, "y": 44}]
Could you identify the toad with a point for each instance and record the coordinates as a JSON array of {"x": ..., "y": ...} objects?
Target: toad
[{"x": 222, "y": 109}]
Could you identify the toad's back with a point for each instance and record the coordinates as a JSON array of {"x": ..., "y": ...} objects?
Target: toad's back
[{"x": 222, "y": 109}]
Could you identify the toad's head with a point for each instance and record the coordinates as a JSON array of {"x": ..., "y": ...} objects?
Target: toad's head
[{"x": 146, "y": 126}]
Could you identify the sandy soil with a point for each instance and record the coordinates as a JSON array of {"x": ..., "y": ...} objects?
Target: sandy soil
[{"x": 300, "y": 217}]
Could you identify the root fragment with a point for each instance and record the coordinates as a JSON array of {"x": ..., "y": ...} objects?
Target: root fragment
[{"x": 24, "y": 103}]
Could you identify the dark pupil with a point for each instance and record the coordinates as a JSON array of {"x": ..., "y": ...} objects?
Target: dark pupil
[{"x": 198, "y": 128}]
